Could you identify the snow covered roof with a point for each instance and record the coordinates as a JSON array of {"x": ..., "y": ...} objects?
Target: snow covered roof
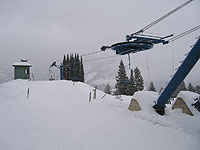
[{"x": 22, "y": 64}]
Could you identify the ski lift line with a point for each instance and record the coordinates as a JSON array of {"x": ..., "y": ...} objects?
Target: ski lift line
[
  {"x": 162, "y": 18},
  {"x": 183, "y": 34},
  {"x": 144, "y": 42},
  {"x": 91, "y": 53},
  {"x": 99, "y": 58}
]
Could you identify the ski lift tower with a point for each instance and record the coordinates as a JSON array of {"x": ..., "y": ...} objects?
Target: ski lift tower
[
  {"x": 184, "y": 69},
  {"x": 60, "y": 67}
]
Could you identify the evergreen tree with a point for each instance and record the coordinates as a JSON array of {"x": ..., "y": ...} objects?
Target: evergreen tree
[
  {"x": 122, "y": 80},
  {"x": 191, "y": 88},
  {"x": 107, "y": 89},
  {"x": 73, "y": 68},
  {"x": 82, "y": 74},
  {"x": 197, "y": 89},
  {"x": 132, "y": 87},
  {"x": 181, "y": 87},
  {"x": 139, "y": 82},
  {"x": 64, "y": 68},
  {"x": 151, "y": 87},
  {"x": 67, "y": 67},
  {"x": 76, "y": 68}
]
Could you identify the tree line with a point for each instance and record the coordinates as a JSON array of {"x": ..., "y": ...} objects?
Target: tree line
[
  {"x": 182, "y": 87},
  {"x": 128, "y": 86},
  {"x": 73, "y": 68},
  {"x": 190, "y": 87}
]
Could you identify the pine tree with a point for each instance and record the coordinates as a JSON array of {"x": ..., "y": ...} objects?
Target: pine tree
[
  {"x": 181, "y": 87},
  {"x": 76, "y": 67},
  {"x": 197, "y": 89},
  {"x": 122, "y": 80},
  {"x": 64, "y": 68},
  {"x": 191, "y": 88},
  {"x": 73, "y": 68},
  {"x": 151, "y": 87},
  {"x": 139, "y": 82},
  {"x": 78, "y": 63},
  {"x": 82, "y": 74},
  {"x": 132, "y": 87},
  {"x": 107, "y": 89},
  {"x": 67, "y": 66}
]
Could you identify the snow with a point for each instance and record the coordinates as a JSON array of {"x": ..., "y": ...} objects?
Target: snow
[
  {"x": 57, "y": 115},
  {"x": 189, "y": 98},
  {"x": 146, "y": 100},
  {"x": 22, "y": 64}
]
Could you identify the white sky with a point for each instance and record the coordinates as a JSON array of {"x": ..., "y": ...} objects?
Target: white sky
[{"x": 44, "y": 30}]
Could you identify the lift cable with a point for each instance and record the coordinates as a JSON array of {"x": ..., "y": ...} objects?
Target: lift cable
[
  {"x": 144, "y": 29},
  {"x": 99, "y": 58},
  {"x": 87, "y": 54},
  {"x": 183, "y": 34},
  {"x": 162, "y": 18}
]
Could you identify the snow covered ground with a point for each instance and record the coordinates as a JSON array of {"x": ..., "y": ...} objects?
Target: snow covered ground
[{"x": 57, "y": 115}]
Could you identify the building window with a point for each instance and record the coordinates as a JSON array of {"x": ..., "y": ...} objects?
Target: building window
[{"x": 27, "y": 71}]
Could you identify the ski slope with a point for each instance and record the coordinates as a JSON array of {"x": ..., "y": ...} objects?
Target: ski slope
[{"x": 57, "y": 115}]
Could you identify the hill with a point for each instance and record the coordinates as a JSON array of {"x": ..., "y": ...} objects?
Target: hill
[{"x": 57, "y": 115}]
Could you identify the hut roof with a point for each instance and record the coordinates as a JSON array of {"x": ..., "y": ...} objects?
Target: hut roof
[{"x": 22, "y": 64}]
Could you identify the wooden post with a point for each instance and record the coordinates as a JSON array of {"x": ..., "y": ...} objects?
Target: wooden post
[
  {"x": 103, "y": 96},
  {"x": 95, "y": 93},
  {"x": 28, "y": 93},
  {"x": 90, "y": 97}
]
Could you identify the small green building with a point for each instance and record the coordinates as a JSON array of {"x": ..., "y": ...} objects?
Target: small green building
[{"x": 22, "y": 70}]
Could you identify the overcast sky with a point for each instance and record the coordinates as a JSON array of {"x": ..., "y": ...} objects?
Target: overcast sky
[{"x": 44, "y": 30}]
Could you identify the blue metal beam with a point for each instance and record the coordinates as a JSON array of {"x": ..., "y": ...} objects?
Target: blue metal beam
[
  {"x": 179, "y": 76},
  {"x": 61, "y": 72}
]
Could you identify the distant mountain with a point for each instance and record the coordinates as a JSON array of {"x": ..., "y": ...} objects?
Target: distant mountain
[{"x": 5, "y": 76}]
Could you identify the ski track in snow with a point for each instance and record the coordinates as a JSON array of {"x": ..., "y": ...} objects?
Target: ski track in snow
[{"x": 57, "y": 115}]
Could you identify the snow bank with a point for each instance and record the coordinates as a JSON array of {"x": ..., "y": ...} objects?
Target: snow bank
[
  {"x": 13, "y": 90},
  {"x": 189, "y": 97},
  {"x": 146, "y": 100}
]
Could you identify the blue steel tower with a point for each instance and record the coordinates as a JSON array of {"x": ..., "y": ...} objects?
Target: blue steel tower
[{"x": 178, "y": 77}]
